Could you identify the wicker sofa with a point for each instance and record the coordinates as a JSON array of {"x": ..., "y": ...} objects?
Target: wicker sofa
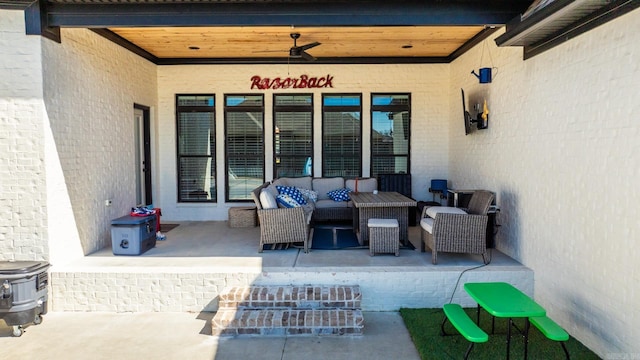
[
  {"x": 455, "y": 230},
  {"x": 289, "y": 225}
]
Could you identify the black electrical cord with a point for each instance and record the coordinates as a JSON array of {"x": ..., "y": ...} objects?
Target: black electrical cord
[{"x": 469, "y": 269}]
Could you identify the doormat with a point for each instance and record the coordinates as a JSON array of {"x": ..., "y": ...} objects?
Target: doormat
[
  {"x": 167, "y": 227},
  {"x": 323, "y": 239}
]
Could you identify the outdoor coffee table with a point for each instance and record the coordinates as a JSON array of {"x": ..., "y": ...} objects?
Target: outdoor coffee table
[
  {"x": 383, "y": 205},
  {"x": 505, "y": 301}
]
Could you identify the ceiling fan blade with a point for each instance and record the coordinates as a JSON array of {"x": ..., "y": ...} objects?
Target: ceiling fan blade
[
  {"x": 307, "y": 56},
  {"x": 268, "y": 51},
  {"x": 309, "y": 46}
]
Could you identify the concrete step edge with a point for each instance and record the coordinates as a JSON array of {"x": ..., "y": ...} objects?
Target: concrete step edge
[
  {"x": 288, "y": 322},
  {"x": 245, "y": 295}
]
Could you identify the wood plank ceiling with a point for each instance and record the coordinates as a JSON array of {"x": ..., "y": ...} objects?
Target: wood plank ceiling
[
  {"x": 275, "y": 41},
  {"x": 245, "y": 31}
]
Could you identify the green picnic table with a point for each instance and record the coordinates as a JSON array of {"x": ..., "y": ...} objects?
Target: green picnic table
[{"x": 503, "y": 300}]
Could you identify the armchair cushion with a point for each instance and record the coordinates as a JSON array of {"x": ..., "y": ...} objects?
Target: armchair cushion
[
  {"x": 435, "y": 210},
  {"x": 267, "y": 200},
  {"x": 427, "y": 225},
  {"x": 293, "y": 192}
]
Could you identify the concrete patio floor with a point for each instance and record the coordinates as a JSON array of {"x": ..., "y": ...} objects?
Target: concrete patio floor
[
  {"x": 124, "y": 336},
  {"x": 214, "y": 242}
]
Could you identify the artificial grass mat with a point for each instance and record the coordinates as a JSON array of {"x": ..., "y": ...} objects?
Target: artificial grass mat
[{"x": 424, "y": 328}]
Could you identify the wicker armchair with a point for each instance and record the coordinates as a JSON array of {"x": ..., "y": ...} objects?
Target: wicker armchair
[
  {"x": 281, "y": 225},
  {"x": 458, "y": 232}
]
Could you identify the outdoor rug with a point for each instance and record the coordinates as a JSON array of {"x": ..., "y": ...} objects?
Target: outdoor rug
[
  {"x": 167, "y": 227},
  {"x": 323, "y": 239}
]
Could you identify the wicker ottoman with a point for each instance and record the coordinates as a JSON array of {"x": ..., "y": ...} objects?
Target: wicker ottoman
[
  {"x": 384, "y": 236},
  {"x": 242, "y": 217}
]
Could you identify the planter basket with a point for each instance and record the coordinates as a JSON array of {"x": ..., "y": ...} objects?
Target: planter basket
[{"x": 242, "y": 217}]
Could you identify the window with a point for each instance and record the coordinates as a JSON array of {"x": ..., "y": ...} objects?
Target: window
[
  {"x": 244, "y": 127},
  {"x": 390, "y": 137},
  {"x": 341, "y": 134},
  {"x": 195, "y": 117},
  {"x": 293, "y": 135}
]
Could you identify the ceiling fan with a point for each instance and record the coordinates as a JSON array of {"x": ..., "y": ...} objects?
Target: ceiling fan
[{"x": 299, "y": 52}]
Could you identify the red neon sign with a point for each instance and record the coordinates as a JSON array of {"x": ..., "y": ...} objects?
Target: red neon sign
[{"x": 302, "y": 82}]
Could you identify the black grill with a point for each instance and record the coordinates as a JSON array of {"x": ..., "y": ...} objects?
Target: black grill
[{"x": 42, "y": 281}]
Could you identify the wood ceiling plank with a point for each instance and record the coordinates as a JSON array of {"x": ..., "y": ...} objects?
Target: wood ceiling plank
[{"x": 274, "y": 41}]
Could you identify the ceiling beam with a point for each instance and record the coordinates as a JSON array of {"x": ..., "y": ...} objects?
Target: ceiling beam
[
  {"x": 15, "y": 4},
  {"x": 110, "y": 35},
  {"x": 307, "y": 13},
  {"x": 35, "y": 18},
  {"x": 480, "y": 37}
]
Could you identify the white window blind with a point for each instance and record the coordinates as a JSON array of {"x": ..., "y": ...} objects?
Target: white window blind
[
  {"x": 196, "y": 148},
  {"x": 341, "y": 136},
  {"x": 244, "y": 127},
  {"x": 293, "y": 135}
]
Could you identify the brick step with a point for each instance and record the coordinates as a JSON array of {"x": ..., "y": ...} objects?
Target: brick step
[
  {"x": 295, "y": 297},
  {"x": 283, "y": 322}
]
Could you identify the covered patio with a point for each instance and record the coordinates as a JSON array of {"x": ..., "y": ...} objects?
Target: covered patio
[{"x": 560, "y": 150}]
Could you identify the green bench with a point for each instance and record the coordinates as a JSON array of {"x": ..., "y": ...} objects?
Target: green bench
[
  {"x": 465, "y": 326},
  {"x": 551, "y": 330}
]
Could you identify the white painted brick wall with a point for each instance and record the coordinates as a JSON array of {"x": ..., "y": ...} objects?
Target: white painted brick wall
[
  {"x": 428, "y": 85},
  {"x": 143, "y": 290},
  {"x": 562, "y": 154},
  {"x": 23, "y": 221},
  {"x": 90, "y": 87},
  {"x": 67, "y": 141}
]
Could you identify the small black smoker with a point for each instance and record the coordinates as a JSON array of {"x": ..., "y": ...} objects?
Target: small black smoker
[{"x": 23, "y": 293}]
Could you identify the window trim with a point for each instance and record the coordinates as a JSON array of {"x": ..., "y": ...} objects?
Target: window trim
[
  {"x": 228, "y": 109},
  {"x": 390, "y": 108},
  {"x": 206, "y": 109},
  {"x": 292, "y": 108},
  {"x": 342, "y": 108}
]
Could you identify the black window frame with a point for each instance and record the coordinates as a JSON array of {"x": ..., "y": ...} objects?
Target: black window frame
[
  {"x": 292, "y": 108},
  {"x": 191, "y": 109},
  {"x": 232, "y": 109},
  {"x": 390, "y": 108},
  {"x": 342, "y": 108}
]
